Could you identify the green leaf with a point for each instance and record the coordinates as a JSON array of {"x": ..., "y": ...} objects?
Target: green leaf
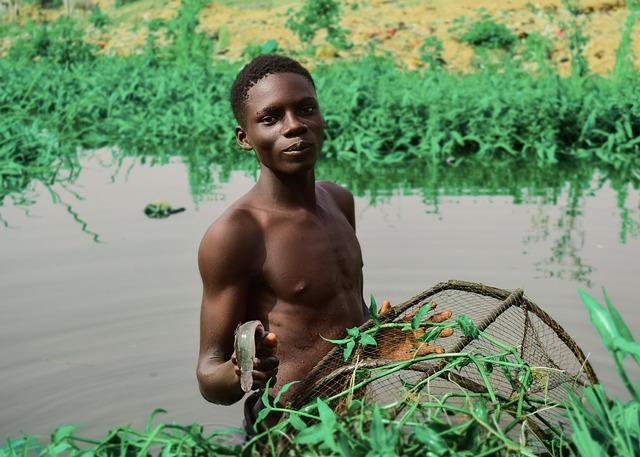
[
  {"x": 480, "y": 410},
  {"x": 311, "y": 435},
  {"x": 431, "y": 439},
  {"x": 327, "y": 416},
  {"x": 630, "y": 347},
  {"x": 415, "y": 322},
  {"x": 261, "y": 416},
  {"x": 283, "y": 389},
  {"x": 63, "y": 432},
  {"x": 600, "y": 319},
  {"x": 149, "y": 424},
  {"x": 265, "y": 394},
  {"x": 525, "y": 379},
  {"x": 328, "y": 420},
  {"x": 620, "y": 324},
  {"x": 367, "y": 340},
  {"x": 373, "y": 311},
  {"x": 353, "y": 332},
  {"x": 61, "y": 447},
  {"x": 344, "y": 447},
  {"x": 430, "y": 335},
  {"x": 269, "y": 47},
  {"x": 377, "y": 431},
  {"x": 467, "y": 327},
  {"x": 631, "y": 417},
  {"x": 296, "y": 422},
  {"x": 339, "y": 342},
  {"x": 348, "y": 349}
]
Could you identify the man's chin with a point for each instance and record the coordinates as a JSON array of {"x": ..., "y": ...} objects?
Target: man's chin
[{"x": 294, "y": 165}]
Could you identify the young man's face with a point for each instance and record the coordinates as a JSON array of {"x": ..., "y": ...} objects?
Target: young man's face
[{"x": 283, "y": 123}]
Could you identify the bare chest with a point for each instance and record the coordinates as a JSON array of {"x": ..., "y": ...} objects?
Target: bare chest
[{"x": 311, "y": 260}]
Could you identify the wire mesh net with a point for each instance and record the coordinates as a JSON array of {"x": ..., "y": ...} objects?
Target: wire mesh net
[{"x": 529, "y": 381}]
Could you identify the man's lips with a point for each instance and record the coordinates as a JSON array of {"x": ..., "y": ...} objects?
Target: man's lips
[{"x": 297, "y": 147}]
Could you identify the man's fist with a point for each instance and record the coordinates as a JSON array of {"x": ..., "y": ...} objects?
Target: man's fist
[{"x": 265, "y": 364}]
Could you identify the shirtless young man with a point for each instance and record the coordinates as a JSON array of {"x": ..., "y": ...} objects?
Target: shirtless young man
[{"x": 286, "y": 252}]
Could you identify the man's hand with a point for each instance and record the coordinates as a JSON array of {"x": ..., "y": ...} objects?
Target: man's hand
[
  {"x": 265, "y": 364},
  {"x": 424, "y": 348}
]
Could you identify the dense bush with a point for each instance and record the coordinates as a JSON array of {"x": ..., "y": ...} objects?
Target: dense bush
[
  {"x": 60, "y": 42},
  {"x": 376, "y": 114},
  {"x": 488, "y": 34}
]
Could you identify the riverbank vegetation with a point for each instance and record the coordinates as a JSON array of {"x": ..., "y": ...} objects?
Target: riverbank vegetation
[
  {"x": 60, "y": 96},
  {"x": 597, "y": 425}
]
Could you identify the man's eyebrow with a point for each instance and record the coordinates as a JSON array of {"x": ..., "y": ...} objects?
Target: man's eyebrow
[
  {"x": 267, "y": 110},
  {"x": 270, "y": 110},
  {"x": 307, "y": 99}
]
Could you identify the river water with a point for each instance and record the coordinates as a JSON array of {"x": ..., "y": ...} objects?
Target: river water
[{"x": 100, "y": 334}]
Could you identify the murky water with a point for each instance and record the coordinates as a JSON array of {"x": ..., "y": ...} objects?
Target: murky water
[{"x": 101, "y": 334}]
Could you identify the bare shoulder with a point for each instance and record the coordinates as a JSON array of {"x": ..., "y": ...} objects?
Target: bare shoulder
[
  {"x": 230, "y": 245},
  {"x": 342, "y": 197}
]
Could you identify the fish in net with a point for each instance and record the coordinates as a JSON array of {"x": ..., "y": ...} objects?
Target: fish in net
[{"x": 507, "y": 353}]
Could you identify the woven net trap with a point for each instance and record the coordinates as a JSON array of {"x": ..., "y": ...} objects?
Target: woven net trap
[{"x": 544, "y": 367}]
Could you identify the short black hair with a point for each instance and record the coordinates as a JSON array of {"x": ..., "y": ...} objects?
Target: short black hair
[{"x": 254, "y": 71}]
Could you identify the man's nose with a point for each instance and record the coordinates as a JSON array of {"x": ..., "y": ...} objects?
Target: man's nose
[{"x": 293, "y": 126}]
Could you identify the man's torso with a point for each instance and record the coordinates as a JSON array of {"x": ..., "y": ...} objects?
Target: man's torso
[{"x": 309, "y": 284}]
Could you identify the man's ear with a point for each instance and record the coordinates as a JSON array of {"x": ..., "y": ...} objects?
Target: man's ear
[{"x": 241, "y": 138}]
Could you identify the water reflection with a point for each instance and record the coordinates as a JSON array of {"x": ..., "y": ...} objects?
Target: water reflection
[
  {"x": 120, "y": 318},
  {"x": 559, "y": 193},
  {"x": 564, "y": 186}
]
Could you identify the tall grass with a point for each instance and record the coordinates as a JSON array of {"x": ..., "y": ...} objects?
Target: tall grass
[{"x": 376, "y": 114}]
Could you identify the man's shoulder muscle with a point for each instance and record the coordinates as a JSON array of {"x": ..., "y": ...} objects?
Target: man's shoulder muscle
[
  {"x": 230, "y": 246},
  {"x": 342, "y": 197}
]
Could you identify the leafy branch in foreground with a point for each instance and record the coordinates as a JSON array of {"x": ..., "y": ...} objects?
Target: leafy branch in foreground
[{"x": 601, "y": 426}]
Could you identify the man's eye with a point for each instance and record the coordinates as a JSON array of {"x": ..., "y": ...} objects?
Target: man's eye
[
  {"x": 308, "y": 109},
  {"x": 268, "y": 120}
]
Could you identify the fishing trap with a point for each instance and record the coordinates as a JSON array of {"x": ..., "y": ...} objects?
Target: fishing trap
[{"x": 531, "y": 383}]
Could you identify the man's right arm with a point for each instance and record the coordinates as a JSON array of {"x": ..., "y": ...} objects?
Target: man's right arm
[{"x": 228, "y": 260}]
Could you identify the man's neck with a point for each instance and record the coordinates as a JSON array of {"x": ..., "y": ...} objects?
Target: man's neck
[{"x": 286, "y": 191}]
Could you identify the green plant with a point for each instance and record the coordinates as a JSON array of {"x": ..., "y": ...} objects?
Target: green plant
[
  {"x": 223, "y": 39},
  {"x": 188, "y": 45},
  {"x": 119, "y": 3},
  {"x": 98, "y": 18},
  {"x": 538, "y": 49},
  {"x": 253, "y": 50},
  {"x": 489, "y": 35},
  {"x": 60, "y": 42},
  {"x": 603, "y": 427},
  {"x": 431, "y": 52},
  {"x": 417, "y": 424},
  {"x": 624, "y": 56},
  {"x": 577, "y": 39},
  {"x": 46, "y": 3},
  {"x": 316, "y": 15}
]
